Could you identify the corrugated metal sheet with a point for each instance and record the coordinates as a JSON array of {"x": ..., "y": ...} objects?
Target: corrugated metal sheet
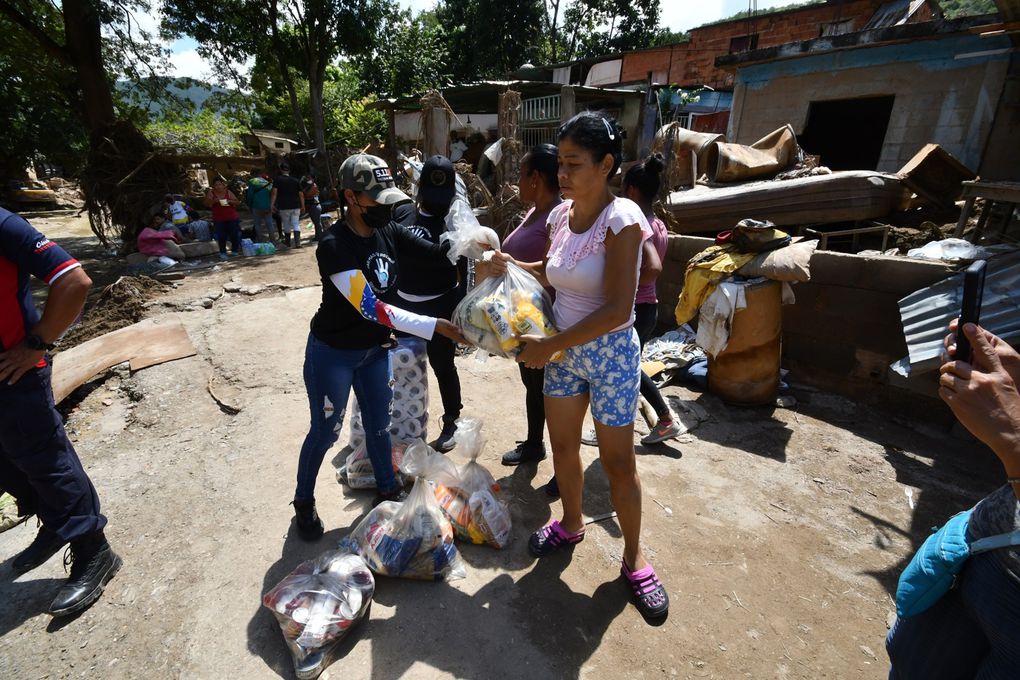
[{"x": 927, "y": 313}]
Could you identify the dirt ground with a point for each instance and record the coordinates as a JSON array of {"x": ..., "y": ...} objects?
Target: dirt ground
[{"x": 779, "y": 532}]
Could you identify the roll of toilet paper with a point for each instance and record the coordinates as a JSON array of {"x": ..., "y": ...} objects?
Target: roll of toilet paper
[
  {"x": 415, "y": 409},
  {"x": 412, "y": 429}
]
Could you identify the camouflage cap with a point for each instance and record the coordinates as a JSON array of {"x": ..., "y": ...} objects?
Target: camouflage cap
[{"x": 370, "y": 174}]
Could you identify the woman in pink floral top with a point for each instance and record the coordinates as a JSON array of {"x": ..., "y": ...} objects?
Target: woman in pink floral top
[{"x": 592, "y": 263}]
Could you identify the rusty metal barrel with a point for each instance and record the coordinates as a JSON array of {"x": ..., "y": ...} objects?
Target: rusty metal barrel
[{"x": 746, "y": 373}]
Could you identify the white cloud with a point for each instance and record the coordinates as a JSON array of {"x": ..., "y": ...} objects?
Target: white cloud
[{"x": 189, "y": 64}]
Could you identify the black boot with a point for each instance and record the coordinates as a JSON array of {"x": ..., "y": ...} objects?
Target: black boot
[
  {"x": 45, "y": 546},
  {"x": 445, "y": 441},
  {"x": 309, "y": 525},
  {"x": 93, "y": 564}
]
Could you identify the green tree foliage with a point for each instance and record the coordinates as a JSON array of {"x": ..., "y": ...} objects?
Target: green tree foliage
[
  {"x": 52, "y": 95},
  {"x": 490, "y": 38},
  {"x": 37, "y": 121},
  {"x": 308, "y": 35},
  {"x": 204, "y": 132},
  {"x": 413, "y": 57},
  {"x": 962, "y": 8},
  {"x": 596, "y": 27}
]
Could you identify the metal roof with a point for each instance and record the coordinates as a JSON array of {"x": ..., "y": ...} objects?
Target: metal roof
[{"x": 926, "y": 313}]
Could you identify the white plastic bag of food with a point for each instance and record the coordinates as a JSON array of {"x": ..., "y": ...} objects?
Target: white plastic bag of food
[
  {"x": 317, "y": 604},
  {"x": 500, "y": 308}
]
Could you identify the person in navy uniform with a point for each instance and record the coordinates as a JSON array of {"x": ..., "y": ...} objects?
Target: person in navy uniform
[{"x": 38, "y": 464}]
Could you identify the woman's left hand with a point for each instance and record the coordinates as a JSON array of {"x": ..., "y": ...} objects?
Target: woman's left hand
[{"x": 536, "y": 351}]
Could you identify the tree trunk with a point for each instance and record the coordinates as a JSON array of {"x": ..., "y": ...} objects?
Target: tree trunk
[
  {"x": 84, "y": 43},
  {"x": 288, "y": 82},
  {"x": 316, "y": 76}
]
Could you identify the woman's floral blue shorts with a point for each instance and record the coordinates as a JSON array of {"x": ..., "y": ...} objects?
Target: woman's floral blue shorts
[{"x": 609, "y": 367}]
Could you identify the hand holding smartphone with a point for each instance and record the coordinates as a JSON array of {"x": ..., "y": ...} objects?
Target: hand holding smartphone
[{"x": 970, "y": 312}]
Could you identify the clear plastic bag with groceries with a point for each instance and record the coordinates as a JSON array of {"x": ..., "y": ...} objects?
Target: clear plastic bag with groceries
[
  {"x": 500, "y": 308},
  {"x": 413, "y": 539},
  {"x": 467, "y": 495},
  {"x": 317, "y": 604},
  {"x": 357, "y": 471}
]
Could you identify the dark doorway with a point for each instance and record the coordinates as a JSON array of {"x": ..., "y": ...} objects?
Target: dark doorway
[{"x": 847, "y": 133}]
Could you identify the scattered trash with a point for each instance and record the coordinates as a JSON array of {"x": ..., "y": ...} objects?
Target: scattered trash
[
  {"x": 786, "y": 401},
  {"x": 867, "y": 651},
  {"x": 665, "y": 508},
  {"x": 910, "y": 497},
  {"x": 949, "y": 250}
]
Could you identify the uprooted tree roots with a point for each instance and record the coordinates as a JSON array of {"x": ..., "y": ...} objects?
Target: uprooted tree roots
[{"x": 124, "y": 182}]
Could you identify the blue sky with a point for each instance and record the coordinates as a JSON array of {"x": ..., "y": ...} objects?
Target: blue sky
[{"x": 678, "y": 15}]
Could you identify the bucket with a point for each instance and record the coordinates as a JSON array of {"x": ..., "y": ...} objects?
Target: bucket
[{"x": 746, "y": 373}]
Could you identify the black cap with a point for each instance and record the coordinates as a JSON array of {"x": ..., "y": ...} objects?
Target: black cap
[{"x": 438, "y": 183}]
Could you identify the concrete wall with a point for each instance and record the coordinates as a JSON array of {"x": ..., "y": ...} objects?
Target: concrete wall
[
  {"x": 693, "y": 63},
  {"x": 943, "y": 94},
  {"x": 845, "y": 328}
]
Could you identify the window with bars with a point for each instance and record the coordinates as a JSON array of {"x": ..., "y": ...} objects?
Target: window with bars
[{"x": 540, "y": 109}]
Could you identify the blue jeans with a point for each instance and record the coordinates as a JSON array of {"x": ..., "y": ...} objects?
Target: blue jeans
[
  {"x": 972, "y": 632},
  {"x": 329, "y": 376},
  {"x": 231, "y": 229}
]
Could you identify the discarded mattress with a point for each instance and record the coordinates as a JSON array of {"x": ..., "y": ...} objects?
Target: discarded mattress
[{"x": 821, "y": 199}]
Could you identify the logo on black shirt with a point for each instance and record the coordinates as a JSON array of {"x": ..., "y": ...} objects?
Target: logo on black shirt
[
  {"x": 419, "y": 231},
  {"x": 380, "y": 264}
]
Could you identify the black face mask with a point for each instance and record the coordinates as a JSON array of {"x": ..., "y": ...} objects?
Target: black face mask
[
  {"x": 436, "y": 209},
  {"x": 376, "y": 216}
]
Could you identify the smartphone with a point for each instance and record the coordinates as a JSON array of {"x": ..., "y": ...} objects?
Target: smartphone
[{"x": 970, "y": 312}]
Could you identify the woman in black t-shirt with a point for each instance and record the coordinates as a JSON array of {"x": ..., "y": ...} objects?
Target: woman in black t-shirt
[{"x": 351, "y": 333}]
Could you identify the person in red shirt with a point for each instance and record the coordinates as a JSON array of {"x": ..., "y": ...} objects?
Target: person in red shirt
[
  {"x": 224, "y": 204},
  {"x": 38, "y": 464}
]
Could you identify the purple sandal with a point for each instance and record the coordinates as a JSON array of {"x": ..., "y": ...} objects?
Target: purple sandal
[
  {"x": 649, "y": 593},
  {"x": 552, "y": 537}
]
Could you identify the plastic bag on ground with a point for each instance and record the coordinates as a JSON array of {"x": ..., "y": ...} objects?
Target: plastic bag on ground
[
  {"x": 499, "y": 308},
  {"x": 409, "y": 409},
  {"x": 317, "y": 604},
  {"x": 465, "y": 233},
  {"x": 357, "y": 471},
  {"x": 413, "y": 539},
  {"x": 489, "y": 518}
]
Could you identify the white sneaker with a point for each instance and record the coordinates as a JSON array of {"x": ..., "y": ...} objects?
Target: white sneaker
[{"x": 590, "y": 438}]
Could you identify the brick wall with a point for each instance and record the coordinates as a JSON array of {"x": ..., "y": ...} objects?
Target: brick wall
[
  {"x": 845, "y": 329},
  {"x": 693, "y": 63}
]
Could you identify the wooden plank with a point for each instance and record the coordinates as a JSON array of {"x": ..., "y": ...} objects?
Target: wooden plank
[{"x": 143, "y": 344}]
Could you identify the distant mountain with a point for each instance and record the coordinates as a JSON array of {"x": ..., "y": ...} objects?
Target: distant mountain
[{"x": 155, "y": 94}]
